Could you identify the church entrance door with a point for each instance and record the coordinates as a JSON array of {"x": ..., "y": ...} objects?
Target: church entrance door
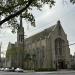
[{"x": 62, "y": 65}]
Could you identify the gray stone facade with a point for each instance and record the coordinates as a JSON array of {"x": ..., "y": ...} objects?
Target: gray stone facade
[
  {"x": 47, "y": 49},
  {"x": 50, "y": 48}
]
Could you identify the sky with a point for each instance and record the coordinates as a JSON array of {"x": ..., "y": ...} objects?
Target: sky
[{"x": 63, "y": 11}]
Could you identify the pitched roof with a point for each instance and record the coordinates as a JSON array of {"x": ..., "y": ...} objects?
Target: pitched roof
[
  {"x": 45, "y": 32},
  {"x": 41, "y": 34}
]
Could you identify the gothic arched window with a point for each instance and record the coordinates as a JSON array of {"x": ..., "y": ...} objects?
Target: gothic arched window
[{"x": 59, "y": 46}]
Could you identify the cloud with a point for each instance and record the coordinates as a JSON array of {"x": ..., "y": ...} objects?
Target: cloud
[{"x": 46, "y": 18}]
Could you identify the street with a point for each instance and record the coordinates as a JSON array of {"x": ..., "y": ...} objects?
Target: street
[{"x": 39, "y": 73}]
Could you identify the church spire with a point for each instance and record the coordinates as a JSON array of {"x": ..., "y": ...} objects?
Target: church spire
[
  {"x": 58, "y": 22},
  {"x": 21, "y": 20},
  {"x": 59, "y": 27}
]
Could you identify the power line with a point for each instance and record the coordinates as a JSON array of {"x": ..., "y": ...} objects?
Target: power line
[{"x": 72, "y": 44}]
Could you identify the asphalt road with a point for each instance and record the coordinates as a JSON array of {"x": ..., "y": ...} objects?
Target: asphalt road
[{"x": 39, "y": 73}]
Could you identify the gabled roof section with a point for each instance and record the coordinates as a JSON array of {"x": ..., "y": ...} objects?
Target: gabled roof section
[
  {"x": 41, "y": 34},
  {"x": 46, "y": 32},
  {"x": 60, "y": 26}
]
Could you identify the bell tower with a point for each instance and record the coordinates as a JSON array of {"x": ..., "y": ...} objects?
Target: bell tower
[
  {"x": 20, "y": 33},
  {"x": 20, "y": 44}
]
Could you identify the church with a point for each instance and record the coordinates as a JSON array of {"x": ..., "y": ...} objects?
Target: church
[
  {"x": 46, "y": 49},
  {"x": 50, "y": 48}
]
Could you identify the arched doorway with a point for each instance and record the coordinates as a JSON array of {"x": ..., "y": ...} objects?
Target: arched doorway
[{"x": 62, "y": 64}]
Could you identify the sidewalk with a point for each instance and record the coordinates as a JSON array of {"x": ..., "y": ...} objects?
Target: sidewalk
[
  {"x": 59, "y": 72},
  {"x": 28, "y": 70}
]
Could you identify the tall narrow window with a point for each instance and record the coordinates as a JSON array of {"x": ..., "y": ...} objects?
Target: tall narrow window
[{"x": 59, "y": 46}]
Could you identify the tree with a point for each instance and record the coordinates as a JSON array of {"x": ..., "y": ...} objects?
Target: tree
[
  {"x": 11, "y": 9},
  {"x": 11, "y": 56},
  {"x": 34, "y": 61},
  {"x": 20, "y": 56},
  {"x": 27, "y": 60},
  {"x": 73, "y": 1}
]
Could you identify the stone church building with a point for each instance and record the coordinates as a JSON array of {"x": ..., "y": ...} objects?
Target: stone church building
[
  {"x": 50, "y": 48},
  {"x": 46, "y": 49}
]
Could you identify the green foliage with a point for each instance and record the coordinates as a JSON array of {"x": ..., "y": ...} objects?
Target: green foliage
[
  {"x": 73, "y": 66},
  {"x": 45, "y": 69},
  {"x": 11, "y": 53},
  {"x": 29, "y": 17},
  {"x": 27, "y": 57},
  {"x": 73, "y": 1},
  {"x": 8, "y": 7}
]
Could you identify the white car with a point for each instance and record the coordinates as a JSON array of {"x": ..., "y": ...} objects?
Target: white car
[
  {"x": 19, "y": 70},
  {"x": 2, "y": 69},
  {"x": 7, "y": 69}
]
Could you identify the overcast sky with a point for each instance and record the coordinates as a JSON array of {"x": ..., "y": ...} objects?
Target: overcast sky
[{"x": 63, "y": 11}]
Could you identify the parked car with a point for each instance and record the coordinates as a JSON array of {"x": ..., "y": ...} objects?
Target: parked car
[
  {"x": 7, "y": 69},
  {"x": 12, "y": 69},
  {"x": 19, "y": 70},
  {"x": 2, "y": 69}
]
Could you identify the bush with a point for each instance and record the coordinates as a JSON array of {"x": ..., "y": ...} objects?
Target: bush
[
  {"x": 73, "y": 66},
  {"x": 45, "y": 69}
]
